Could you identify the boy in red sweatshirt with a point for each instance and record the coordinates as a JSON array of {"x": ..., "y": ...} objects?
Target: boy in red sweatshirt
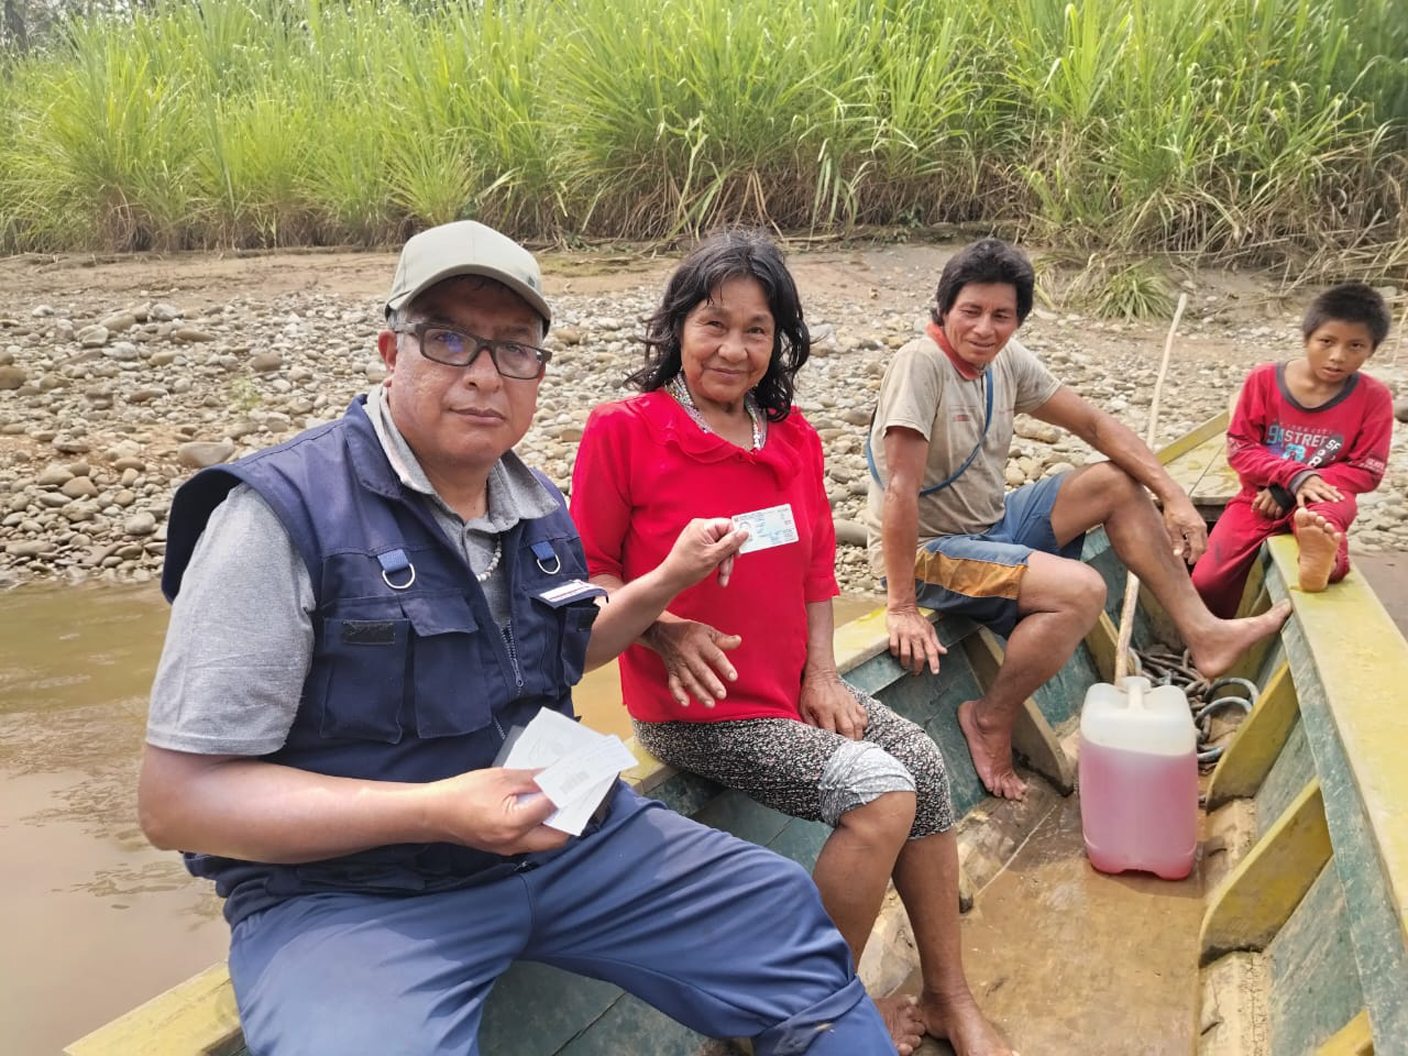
[{"x": 1306, "y": 438}]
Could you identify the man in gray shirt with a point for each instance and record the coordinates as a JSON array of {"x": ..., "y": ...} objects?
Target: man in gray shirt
[
  {"x": 360, "y": 618},
  {"x": 945, "y": 536}
]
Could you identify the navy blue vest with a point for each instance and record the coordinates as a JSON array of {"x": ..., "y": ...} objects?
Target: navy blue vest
[{"x": 411, "y": 678}]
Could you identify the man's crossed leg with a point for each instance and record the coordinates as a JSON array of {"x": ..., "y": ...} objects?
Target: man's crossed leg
[{"x": 1024, "y": 579}]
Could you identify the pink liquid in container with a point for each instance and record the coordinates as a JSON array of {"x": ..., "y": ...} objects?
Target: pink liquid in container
[{"x": 1139, "y": 779}]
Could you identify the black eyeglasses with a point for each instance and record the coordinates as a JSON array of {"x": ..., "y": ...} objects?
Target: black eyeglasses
[{"x": 455, "y": 348}]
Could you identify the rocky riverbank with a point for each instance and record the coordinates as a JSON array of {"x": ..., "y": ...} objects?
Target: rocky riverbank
[{"x": 107, "y": 402}]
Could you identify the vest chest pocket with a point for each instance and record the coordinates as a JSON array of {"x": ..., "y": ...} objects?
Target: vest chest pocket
[
  {"x": 363, "y": 677},
  {"x": 456, "y": 681},
  {"x": 573, "y": 621}
]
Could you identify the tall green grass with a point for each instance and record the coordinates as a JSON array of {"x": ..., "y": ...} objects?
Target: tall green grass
[{"x": 1240, "y": 129}]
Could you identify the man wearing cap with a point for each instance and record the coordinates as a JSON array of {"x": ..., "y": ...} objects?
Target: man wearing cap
[{"x": 360, "y": 616}]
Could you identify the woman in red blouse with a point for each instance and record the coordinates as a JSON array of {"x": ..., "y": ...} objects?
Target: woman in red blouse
[{"x": 738, "y": 681}]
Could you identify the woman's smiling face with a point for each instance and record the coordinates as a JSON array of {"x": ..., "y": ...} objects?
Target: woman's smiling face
[{"x": 726, "y": 344}]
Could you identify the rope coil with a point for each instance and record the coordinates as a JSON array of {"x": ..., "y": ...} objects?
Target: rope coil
[{"x": 1163, "y": 667}]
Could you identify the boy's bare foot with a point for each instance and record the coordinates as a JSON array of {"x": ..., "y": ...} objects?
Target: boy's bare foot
[
  {"x": 991, "y": 750},
  {"x": 1319, "y": 543},
  {"x": 959, "y": 1021},
  {"x": 1217, "y": 648},
  {"x": 902, "y": 1019}
]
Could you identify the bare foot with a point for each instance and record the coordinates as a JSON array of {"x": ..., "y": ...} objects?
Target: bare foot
[
  {"x": 959, "y": 1021},
  {"x": 902, "y": 1019},
  {"x": 1224, "y": 641},
  {"x": 1319, "y": 544},
  {"x": 991, "y": 750}
]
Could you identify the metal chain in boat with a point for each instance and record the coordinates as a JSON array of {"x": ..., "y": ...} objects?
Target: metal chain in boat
[{"x": 1164, "y": 667}]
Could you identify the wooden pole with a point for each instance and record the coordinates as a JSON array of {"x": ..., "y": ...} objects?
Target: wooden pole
[{"x": 1131, "y": 583}]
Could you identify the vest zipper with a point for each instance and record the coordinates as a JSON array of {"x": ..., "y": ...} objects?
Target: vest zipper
[{"x": 513, "y": 655}]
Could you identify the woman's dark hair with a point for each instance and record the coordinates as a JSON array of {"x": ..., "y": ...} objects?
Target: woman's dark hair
[
  {"x": 988, "y": 260},
  {"x": 719, "y": 258},
  {"x": 1350, "y": 302}
]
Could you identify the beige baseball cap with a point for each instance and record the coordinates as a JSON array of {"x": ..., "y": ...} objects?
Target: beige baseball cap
[{"x": 466, "y": 247}]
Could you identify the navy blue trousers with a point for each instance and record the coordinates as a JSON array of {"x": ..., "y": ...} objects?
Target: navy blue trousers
[{"x": 722, "y": 935}]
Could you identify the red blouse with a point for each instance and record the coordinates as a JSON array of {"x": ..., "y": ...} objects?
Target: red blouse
[{"x": 644, "y": 469}]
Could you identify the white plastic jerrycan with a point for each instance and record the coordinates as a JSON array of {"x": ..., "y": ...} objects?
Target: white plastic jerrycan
[{"x": 1139, "y": 778}]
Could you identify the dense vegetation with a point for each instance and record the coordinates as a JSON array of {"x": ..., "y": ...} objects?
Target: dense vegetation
[{"x": 1251, "y": 129}]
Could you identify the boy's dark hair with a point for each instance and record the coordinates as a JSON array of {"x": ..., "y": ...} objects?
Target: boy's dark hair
[
  {"x": 987, "y": 260},
  {"x": 1351, "y": 302},
  {"x": 719, "y": 258}
]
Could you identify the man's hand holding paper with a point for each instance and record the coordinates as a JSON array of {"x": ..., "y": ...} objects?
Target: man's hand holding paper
[{"x": 579, "y": 766}]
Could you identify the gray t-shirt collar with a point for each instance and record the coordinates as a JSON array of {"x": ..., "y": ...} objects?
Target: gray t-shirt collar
[{"x": 514, "y": 494}]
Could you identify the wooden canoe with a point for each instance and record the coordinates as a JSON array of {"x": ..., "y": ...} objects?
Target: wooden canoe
[{"x": 1303, "y": 940}]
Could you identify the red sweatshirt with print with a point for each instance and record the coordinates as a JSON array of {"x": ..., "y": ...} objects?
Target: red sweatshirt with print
[{"x": 1275, "y": 440}]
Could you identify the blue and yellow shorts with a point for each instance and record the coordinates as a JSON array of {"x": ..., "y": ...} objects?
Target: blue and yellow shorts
[{"x": 978, "y": 576}]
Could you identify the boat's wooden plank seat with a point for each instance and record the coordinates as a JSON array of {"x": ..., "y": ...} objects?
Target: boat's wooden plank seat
[
  {"x": 1190, "y": 466},
  {"x": 1218, "y": 483},
  {"x": 1198, "y": 463},
  {"x": 1189, "y": 453}
]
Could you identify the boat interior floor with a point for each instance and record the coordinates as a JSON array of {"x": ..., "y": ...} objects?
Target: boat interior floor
[{"x": 1064, "y": 959}]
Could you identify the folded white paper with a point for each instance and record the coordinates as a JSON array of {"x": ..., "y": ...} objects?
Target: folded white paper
[
  {"x": 573, "y": 818},
  {"x": 550, "y": 736},
  {"x": 577, "y": 773},
  {"x": 578, "y": 765}
]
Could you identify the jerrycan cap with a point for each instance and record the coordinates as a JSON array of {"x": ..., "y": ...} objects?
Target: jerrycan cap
[
  {"x": 1139, "y": 716},
  {"x": 1133, "y": 691}
]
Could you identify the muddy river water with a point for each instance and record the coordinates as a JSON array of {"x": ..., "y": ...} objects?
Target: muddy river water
[{"x": 93, "y": 920}]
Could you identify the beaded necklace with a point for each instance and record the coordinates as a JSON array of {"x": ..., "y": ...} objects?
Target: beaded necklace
[
  {"x": 494, "y": 561},
  {"x": 680, "y": 391}
]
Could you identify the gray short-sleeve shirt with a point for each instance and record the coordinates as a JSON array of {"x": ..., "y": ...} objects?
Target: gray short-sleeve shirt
[{"x": 922, "y": 390}]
